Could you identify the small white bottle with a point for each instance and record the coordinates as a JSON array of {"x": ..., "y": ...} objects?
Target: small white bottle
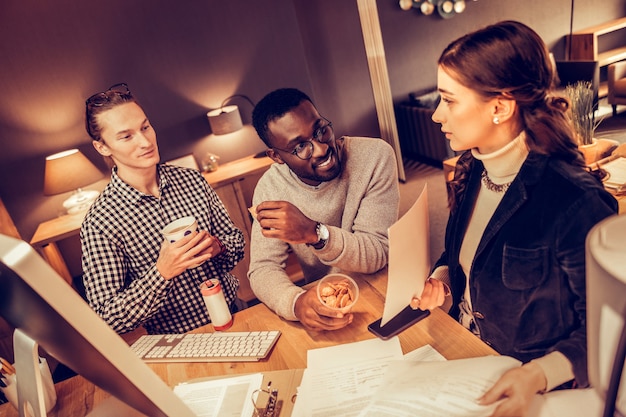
[{"x": 216, "y": 304}]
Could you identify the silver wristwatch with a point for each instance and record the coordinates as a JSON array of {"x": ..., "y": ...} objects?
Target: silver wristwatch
[{"x": 322, "y": 236}]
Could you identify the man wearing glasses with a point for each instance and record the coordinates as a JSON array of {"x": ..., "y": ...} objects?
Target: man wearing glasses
[{"x": 328, "y": 200}]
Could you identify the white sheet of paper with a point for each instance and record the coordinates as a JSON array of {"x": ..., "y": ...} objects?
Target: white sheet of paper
[
  {"x": 424, "y": 353},
  {"x": 409, "y": 257},
  {"x": 225, "y": 397},
  {"x": 435, "y": 389},
  {"x": 340, "y": 391},
  {"x": 351, "y": 353},
  {"x": 568, "y": 402},
  {"x": 339, "y": 380}
]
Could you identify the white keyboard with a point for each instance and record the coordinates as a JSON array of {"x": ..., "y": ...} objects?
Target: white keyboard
[{"x": 206, "y": 347}]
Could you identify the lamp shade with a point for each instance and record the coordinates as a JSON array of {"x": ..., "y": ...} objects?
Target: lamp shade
[
  {"x": 68, "y": 171},
  {"x": 225, "y": 120}
]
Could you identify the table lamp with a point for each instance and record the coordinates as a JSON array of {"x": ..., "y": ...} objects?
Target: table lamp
[
  {"x": 70, "y": 171},
  {"x": 227, "y": 119}
]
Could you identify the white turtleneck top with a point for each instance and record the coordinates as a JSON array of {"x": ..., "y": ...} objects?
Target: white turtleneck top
[{"x": 501, "y": 168}]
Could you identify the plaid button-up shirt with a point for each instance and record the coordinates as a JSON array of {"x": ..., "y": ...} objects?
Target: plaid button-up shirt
[{"x": 121, "y": 238}]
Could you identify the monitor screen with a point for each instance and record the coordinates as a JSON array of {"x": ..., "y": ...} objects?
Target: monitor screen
[
  {"x": 606, "y": 307},
  {"x": 35, "y": 299}
]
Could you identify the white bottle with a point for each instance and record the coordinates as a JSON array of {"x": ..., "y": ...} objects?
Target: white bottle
[{"x": 216, "y": 304}]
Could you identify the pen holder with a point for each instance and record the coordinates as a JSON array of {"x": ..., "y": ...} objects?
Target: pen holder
[{"x": 49, "y": 392}]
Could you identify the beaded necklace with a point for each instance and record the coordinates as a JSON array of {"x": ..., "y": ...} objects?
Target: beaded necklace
[{"x": 492, "y": 186}]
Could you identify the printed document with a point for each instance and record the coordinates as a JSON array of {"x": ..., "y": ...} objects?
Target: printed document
[
  {"x": 340, "y": 380},
  {"x": 226, "y": 397},
  {"x": 438, "y": 389}
]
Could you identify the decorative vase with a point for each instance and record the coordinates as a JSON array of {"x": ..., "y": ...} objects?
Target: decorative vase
[
  {"x": 598, "y": 149},
  {"x": 590, "y": 151}
]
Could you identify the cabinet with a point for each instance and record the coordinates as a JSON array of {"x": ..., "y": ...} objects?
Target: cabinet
[
  {"x": 602, "y": 43},
  {"x": 234, "y": 183}
]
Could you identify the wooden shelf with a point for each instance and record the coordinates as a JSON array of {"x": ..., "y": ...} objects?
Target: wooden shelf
[
  {"x": 603, "y": 28},
  {"x": 583, "y": 44},
  {"x": 611, "y": 56}
]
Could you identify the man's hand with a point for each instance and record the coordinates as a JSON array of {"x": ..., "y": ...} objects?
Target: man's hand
[
  {"x": 517, "y": 387},
  {"x": 188, "y": 252},
  {"x": 282, "y": 220},
  {"x": 315, "y": 316},
  {"x": 433, "y": 295}
]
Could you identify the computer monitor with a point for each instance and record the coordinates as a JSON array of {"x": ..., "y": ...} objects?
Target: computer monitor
[
  {"x": 606, "y": 311},
  {"x": 36, "y": 300}
]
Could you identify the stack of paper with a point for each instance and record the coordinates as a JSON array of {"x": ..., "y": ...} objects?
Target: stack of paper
[
  {"x": 616, "y": 181},
  {"x": 373, "y": 378},
  {"x": 225, "y": 397}
]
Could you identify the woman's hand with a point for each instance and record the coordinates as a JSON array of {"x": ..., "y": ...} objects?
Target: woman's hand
[
  {"x": 433, "y": 295},
  {"x": 517, "y": 387}
]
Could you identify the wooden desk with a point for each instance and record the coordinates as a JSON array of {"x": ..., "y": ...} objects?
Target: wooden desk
[
  {"x": 234, "y": 182},
  {"x": 52, "y": 231},
  {"x": 439, "y": 330}
]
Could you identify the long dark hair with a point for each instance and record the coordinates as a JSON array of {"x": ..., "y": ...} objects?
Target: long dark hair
[{"x": 509, "y": 59}]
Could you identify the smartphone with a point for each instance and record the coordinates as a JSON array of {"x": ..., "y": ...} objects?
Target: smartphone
[{"x": 402, "y": 321}]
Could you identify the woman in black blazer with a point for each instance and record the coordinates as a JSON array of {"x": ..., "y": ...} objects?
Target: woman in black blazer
[{"x": 521, "y": 204}]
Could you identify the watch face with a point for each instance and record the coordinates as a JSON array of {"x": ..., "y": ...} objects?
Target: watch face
[{"x": 322, "y": 232}]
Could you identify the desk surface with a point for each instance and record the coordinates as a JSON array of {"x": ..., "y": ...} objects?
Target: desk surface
[
  {"x": 235, "y": 170},
  {"x": 439, "y": 330}
]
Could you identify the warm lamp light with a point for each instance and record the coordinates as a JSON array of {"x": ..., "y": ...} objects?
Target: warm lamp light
[
  {"x": 70, "y": 171},
  {"x": 225, "y": 120}
]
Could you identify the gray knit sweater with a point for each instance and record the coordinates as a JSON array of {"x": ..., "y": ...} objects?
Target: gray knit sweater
[{"x": 357, "y": 207}]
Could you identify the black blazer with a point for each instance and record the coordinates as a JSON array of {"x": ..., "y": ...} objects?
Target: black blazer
[{"x": 527, "y": 281}]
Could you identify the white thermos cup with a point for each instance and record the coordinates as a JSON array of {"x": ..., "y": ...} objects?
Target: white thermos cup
[{"x": 216, "y": 304}]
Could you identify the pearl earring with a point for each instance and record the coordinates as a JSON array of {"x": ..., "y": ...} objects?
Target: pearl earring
[{"x": 496, "y": 120}]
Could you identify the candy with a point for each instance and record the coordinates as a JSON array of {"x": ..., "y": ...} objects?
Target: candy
[{"x": 337, "y": 294}]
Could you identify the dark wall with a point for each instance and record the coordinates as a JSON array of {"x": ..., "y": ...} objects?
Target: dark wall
[
  {"x": 413, "y": 41},
  {"x": 179, "y": 58},
  {"x": 183, "y": 58}
]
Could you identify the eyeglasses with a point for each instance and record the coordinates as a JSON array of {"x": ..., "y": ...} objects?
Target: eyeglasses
[
  {"x": 100, "y": 99},
  {"x": 304, "y": 149}
]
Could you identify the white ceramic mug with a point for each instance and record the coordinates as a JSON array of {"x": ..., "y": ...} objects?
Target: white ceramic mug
[{"x": 180, "y": 228}]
